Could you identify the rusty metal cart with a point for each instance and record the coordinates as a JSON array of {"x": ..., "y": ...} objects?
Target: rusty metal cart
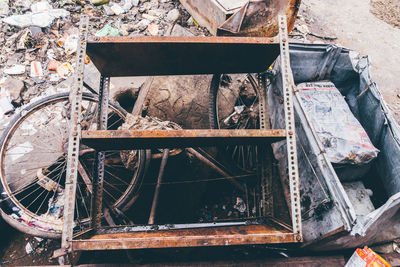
[{"x": 144, "y": 56}]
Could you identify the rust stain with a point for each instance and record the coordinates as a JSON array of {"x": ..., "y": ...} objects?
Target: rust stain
[{"x": 217, "y": 236}]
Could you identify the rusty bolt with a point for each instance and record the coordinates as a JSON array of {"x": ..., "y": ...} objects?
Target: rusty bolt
[
  {"x": 298, "y": 238},
  {"x": 290, "y": 133}
]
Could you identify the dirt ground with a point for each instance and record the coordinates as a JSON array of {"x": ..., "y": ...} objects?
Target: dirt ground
[
  {"x": 388, "y": 11},
  {"x": 356, "y": 28}
]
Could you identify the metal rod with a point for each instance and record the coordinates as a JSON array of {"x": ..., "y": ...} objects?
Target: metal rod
[
  {"x": 97, "y": 198},
  {"x": 288, "y": 90},
  {"x": 87, "y": 86},
  {"x": 205, "y": 160},
  {"x": 74, "y": 138},
  {"x": 158, "y": 185}
]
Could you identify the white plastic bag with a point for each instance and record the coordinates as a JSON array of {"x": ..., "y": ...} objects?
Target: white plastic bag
[{"x": 343, "y": 137}]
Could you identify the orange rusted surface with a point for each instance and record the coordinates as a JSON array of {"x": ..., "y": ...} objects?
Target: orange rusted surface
[
  {"x": 213, "y": 236},
  {"x": 182, "y": 39},
  {"x": 133, "y": 139}
]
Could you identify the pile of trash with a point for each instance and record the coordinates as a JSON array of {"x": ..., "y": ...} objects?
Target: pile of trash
[{"x": 39, "y": 39}]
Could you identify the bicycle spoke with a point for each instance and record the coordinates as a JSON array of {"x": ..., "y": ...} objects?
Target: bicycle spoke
[
  {"x": 119, "y": 179},
  {"x": 49, "y": 172},
  {"x": 36, "y": 142},
  {"x": 115, "y": 188},
  {"x": 83, "y": 201}
]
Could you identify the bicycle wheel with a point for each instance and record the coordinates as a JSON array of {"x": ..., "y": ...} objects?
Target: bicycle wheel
[
  {"x": 33, "y": 167},
  {"x": 234, "y": 105}
]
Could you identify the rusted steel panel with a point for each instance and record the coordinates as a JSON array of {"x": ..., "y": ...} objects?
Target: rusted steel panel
[
  {"x": 325, "y": 261},
  {"x": 149, "y": 56},
  {"x": 245, "y": 18},
  {"x": 134, "y": 139},
  {"x": 216, "y": 236}
]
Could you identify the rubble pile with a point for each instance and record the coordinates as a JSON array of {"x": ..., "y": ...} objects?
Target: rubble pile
[{"x": 39, "y": 39}]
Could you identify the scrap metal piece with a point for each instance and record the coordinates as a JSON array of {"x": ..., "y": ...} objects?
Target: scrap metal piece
[
  {"x": 74, "y": 137},
  {"x": 158, "y": 185},
  {"x": 216, "y": 166},
  {"x": 142, "y": 139},
  {"x": 242, "y": 17},
  {"x": 288, "y": 90},
  {"x": 267, "y": 233},
  {"x": 265, "y": 152}
]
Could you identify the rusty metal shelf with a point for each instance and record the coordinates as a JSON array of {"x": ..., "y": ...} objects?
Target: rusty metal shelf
[
  {"x": 196, "y": 237},
  {"x": 137, "y": 139},
  {"x": 149, "y": 56}
]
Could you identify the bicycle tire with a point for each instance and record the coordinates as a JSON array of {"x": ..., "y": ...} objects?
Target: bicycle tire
[
  {"x": 214, "y": 123},
  {"x": 20, "y": 217}
]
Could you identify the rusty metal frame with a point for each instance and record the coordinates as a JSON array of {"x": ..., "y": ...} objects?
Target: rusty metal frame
[
  {"x": 97, "y": 198},
  {"x": 288, "y": 90},
  {"x": 267, "y": 231},
  {"x": 140, "y": 139},
  {"x": 74, "y": 138}
]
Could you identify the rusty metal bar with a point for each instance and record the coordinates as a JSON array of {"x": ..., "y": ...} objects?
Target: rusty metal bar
[
  {"x": 138, "y": 139},
  {"x": 213, "y": 236},
  {"x": 265, "y": 152},
  {"x": 205, "y": 159},
  {"x": 102, "y": 117},
  {"x": 288, "y": 87},
  {"x": 158, "y": 185},
  {"x": 113, "y": 56},
  {"x": 266, "y": 261},
  {"x": 74, "y": 138}
]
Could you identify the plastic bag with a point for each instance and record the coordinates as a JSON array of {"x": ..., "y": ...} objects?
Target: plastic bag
[{"x": 343, "y": 137}]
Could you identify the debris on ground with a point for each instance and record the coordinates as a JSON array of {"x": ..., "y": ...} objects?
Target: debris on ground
[
  {"x": 387, "y": 10},
  {"x": 238, "y": 17},
  {"x": 39, "y": 38},
  {"x": 366, "y": 257}
]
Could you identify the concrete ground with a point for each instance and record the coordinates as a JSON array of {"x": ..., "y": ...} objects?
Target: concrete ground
[{"x": 358, "y": 29}]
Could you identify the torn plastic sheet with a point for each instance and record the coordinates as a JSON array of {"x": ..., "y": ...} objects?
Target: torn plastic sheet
[
  {"x": 242, "y": 17},
  {"x": 41, "y": 19},
  {"x": 344, "y": 139},
  {"x": 329, "y": 218}
]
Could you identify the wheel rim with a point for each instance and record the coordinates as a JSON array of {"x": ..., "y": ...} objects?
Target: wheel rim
[
  {"x": 33, "y": 168},
  {"x": 244, "y": 157}
]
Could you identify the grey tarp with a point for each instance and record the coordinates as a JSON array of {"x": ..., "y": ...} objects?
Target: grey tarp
[{"x": 329, "y": 218}]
